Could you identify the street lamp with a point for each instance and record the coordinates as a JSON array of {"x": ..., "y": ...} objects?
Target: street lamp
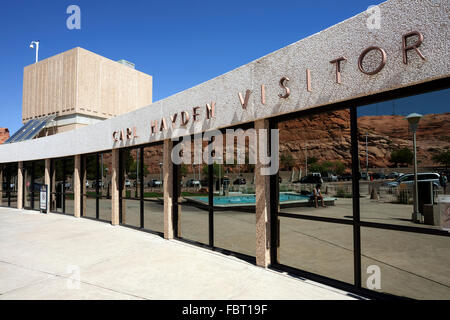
[
  {"x": 35, "y": 44},
  {"x": 367, "y": 159},
  {"x": 306, "y": 159},
  {"x": 160, "y": 173},
  {"x": 220, "y": 175},
  {"x": 413, "y": 120}
]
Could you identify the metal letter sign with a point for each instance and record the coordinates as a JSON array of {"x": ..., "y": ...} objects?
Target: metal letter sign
[{"x": 43, "y": 198}]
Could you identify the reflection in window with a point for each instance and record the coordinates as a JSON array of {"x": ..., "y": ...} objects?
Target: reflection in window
[
  {"x": 153, "y": 188},
  {"x": 8, "y": 187},
  {"x": 315, "y": 176},
  {"x": 234, "y": 201},
  {"x": 386, "y": 158},
  {"x": 405, "y": 264},
  {"x": 193, "y": 201},
  {"x": 318, "y": 247},
  {"x": 130, "y": 194},
  {"x": 62, "y": 194},
  {"x": 96, "y": 185}
]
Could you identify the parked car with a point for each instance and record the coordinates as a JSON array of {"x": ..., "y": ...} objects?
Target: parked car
[
  {"x": 204, "y": 182},
  {"x": 193, "y": 183},
  {"x": 127, "y": 183},
  {"x": 331, "y": 177},
  {"x": 94, "y": 184},
  {"x": 345, "y": 177},
  {"x": 225, "y": 181},
  {"x": 11, "y": 186},
  {"x": 87, "y": 183},
  {"x": 378, "y": 175},
  {"x": 393, "y": 175},
  {"x": 154, "y": 183},
  {"x": 408, "y": 179},
  {"x": 310, "y": 179},
  {"x": 239, "y": 181}
]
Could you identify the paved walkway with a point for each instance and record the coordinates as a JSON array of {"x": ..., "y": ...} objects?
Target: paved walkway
[{"x": 41, "y": 257}]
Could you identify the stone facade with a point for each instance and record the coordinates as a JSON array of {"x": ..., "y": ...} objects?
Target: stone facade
[{"x": 84, "y": 83}]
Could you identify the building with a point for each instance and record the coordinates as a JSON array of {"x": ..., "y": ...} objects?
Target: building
[
  {"x": 78, "y": 88},
  {"x": 328, "y": 97}
]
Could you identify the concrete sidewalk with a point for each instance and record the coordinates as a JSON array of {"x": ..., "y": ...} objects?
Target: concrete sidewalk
[{"x": 41, "y": 256}]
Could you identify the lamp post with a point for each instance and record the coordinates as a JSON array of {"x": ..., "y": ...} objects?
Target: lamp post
[
  {"x": 137, "y": 170},
  {"x": 35, "y": 44},
  {"x": 306, "y": 159},
  {"x": 413, "y": 119},
  {"x": 160, "y": 173},
  {"x": 367, "y": 159},
  {"x": 220, "y": 175}
]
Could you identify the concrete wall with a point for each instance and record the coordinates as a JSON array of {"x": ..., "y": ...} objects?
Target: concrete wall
[
  {"x": 80, "y": 81},
  {"x": 348, "y": 39}
]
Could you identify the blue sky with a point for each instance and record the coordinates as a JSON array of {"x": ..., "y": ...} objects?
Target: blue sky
[{"x": 179, "y": 43}]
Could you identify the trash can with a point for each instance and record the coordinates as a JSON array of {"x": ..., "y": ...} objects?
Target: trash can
[
  {"x": 425, "y": 194},
  {"x": 444, "y": 211}
]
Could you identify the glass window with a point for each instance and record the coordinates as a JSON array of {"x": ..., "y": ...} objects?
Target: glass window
[
  {"x": 89, "y": 185},
  {"x": 104, "y": 190},
  {"x": 28, "y": 184},
  {"x": 317, "y": 247},
  {"x": 386, "y": 152},
  {"x": 234, "y": 201},
  {"x": 96, "y": 184},
  {"x": 62, "y": 195},
  {"x": 193, "y": 209},
  {"x": 130, "y": 194},
  {"x": 153, "y": 196},
  {"x": 39, "y": 170},
  {"x": 315, "y": 176},
  {"x": 405, "y": 264},
  {"x": 8, "y": 187}
]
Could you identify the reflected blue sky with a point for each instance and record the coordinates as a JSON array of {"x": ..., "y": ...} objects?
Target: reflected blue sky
[{"x": 431, "y": 102}]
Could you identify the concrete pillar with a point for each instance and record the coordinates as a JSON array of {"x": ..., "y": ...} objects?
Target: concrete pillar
[
  {"x": 47, "y": 175},
  {"x": 115, "y": 187},
  {"x": 20, "y": 185},
  {"x": 77, "y": 186},
  {"x": 168, "y": 189},
  {"x": 262, "y": 192}
]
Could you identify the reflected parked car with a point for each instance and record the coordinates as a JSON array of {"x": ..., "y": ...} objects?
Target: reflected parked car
[
  {"x": 331, "y": 178},
  {"x": 153, "y": 183},
  {"x": 310, "y": 179},
  {"x": 345, "y": 177},
  {"x": 393, "y": 175},
  {"x": 408, "y": 179},
  {"x": 239, "y": 181},
  {"x": 11, "y": 186},
  {"x": 204, "y": 182},
  {"x": 193, "y": 183},
  {"x": 378, "y": 175},
  {"x": 94, "y": 184}
]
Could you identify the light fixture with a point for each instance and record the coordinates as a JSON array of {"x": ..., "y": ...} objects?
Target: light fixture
[
  {"x": 35, "y": 44},
  {"x": 413, "y": 119}
]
